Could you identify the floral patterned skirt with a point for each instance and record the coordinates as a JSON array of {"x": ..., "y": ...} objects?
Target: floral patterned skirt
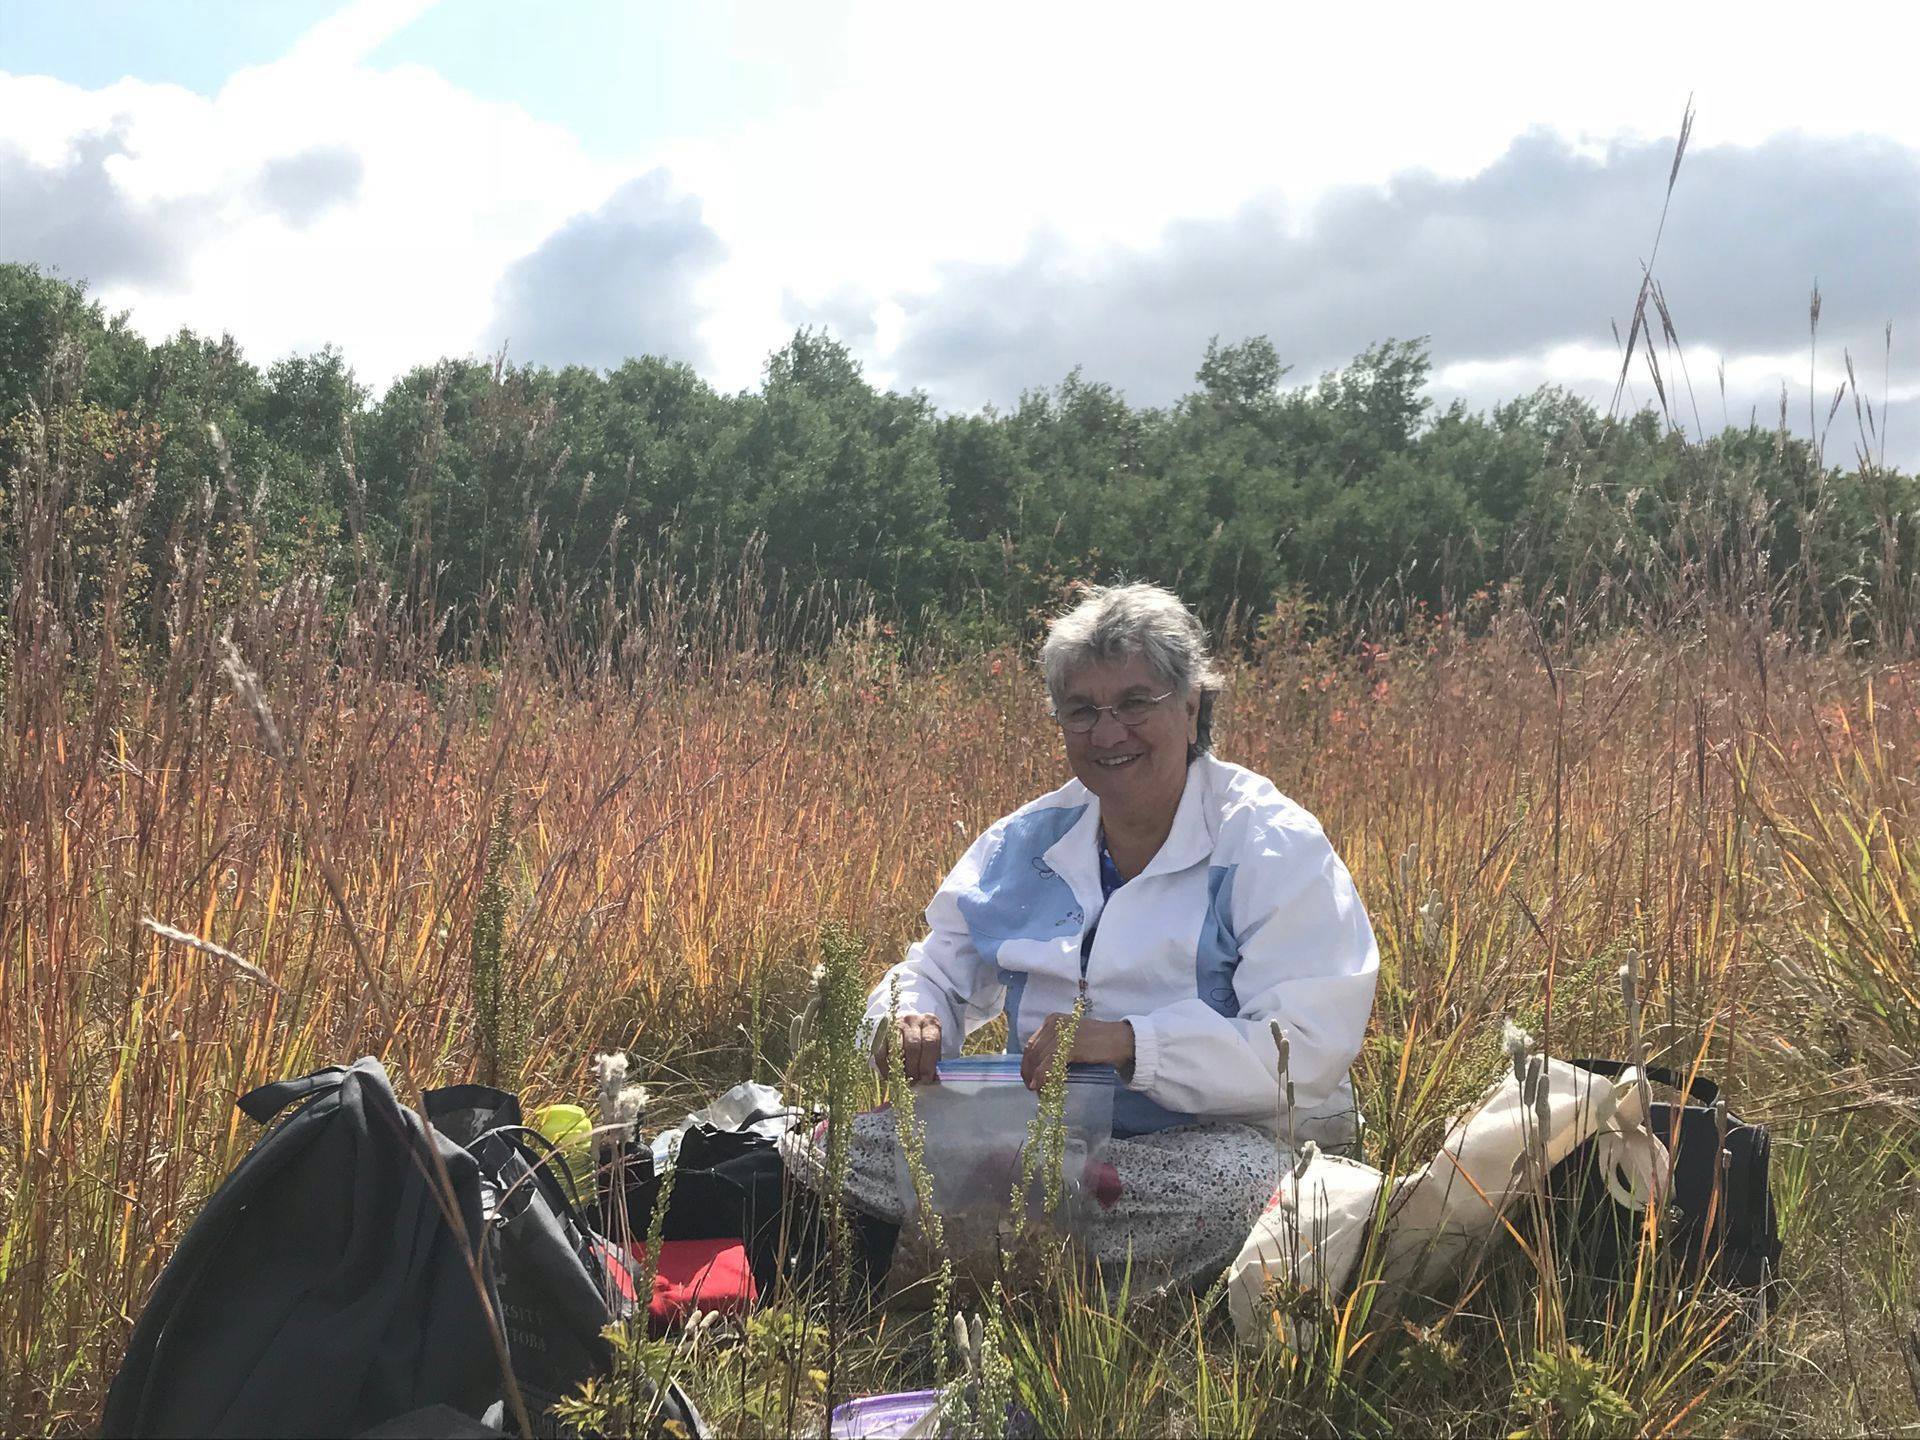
[{"x": 1171, "y": 1208}]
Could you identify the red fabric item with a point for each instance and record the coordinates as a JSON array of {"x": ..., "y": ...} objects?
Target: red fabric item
[{"x": 697, "y": 1275}]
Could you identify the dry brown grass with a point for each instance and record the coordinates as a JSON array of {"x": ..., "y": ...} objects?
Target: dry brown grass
[{"x": 690, "y": 801}]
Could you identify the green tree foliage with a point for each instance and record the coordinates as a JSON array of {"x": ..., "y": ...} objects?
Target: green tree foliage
[
  {"x": 842, "y": 479},
  {"x": 465, "y": 478}
]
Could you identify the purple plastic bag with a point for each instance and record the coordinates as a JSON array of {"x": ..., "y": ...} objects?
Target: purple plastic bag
[{"x": 881, "y": 1417}]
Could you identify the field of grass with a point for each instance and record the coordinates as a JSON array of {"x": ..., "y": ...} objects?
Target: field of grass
[{"x": 636, "y": 825}]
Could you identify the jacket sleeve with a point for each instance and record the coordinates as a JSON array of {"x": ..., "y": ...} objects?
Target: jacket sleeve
[
  {"x": 1307, "y": 959},
  {"x": 944, "y": 973}
]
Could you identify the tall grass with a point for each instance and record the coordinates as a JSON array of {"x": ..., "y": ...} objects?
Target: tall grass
[{"x": 645, "y": 815}]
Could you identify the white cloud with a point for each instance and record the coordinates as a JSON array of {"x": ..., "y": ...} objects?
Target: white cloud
[
  {"x": 970, "y": 136},
  {"x": 450, "y": 189},
  {"x": 1708, "y": 391}
]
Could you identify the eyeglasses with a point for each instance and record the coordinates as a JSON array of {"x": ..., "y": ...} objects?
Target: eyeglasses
[{"x": 1080, "y": 719}]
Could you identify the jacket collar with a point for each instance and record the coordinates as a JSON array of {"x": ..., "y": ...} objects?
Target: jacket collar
[
  {"x": 1191, "y": 839},
  {"x": 1075, "y": 856}
]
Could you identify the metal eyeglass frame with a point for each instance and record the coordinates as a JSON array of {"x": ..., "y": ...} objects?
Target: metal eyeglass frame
[{"x": 1113, "y": 710}]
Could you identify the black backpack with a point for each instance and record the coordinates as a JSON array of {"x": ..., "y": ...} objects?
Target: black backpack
[
  {"x": 1720, "y": 1209},
  {"x": 328, "y": 1287}
]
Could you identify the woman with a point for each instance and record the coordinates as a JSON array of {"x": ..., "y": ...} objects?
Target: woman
[{"x": 1191, "y": 903}]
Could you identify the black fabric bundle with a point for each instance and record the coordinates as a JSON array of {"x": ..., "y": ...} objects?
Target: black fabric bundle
[
  {"x": 732, "y": 1184},
  {"x": 1721, "y": 1220}
]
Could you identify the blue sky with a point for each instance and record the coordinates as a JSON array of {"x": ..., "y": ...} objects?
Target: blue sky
[
  {"x": 977, "y": 198},
  {"x": 196, "y": 44},
  {"x": 624, "y": 77},
  {"x": 615, "y": 74}
]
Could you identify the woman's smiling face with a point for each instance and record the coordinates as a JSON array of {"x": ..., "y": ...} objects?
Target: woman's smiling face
[{"x": 1137, "y": 771}]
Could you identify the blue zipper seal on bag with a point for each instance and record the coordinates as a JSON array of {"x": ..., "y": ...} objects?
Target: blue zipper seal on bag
[{"x": 1006, "y": 1068}]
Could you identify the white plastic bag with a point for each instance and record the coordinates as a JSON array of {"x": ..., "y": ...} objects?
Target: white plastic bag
[
  {"x": 976, "y": 1125},
  {"x": 749, "y": 1106}
]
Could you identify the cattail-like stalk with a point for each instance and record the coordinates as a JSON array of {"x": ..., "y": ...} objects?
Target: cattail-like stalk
[
  {"x": 1636, "y": 1041},
  {"x": 623, "y": 1107},
  {"x": 1536, "y": 1095},
  {"x": 1283, "y": 1047},
  {"x": 1518, "y": 1044},
  {"x": 1431, "y": 913}
]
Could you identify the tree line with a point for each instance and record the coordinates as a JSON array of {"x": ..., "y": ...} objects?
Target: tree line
[{"x": 465, "y": 476}]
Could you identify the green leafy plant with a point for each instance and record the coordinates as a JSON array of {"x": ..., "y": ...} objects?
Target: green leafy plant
[{"x": 1567, "y": 1396}]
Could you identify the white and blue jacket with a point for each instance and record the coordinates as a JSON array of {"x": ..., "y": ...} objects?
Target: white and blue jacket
[{"x": 1245, "y": 916}]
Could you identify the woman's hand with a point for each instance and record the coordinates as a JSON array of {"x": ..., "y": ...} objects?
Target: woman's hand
[
  {"x": 1095, "y": 1042},
  {"x": 919, "y": 1037}
]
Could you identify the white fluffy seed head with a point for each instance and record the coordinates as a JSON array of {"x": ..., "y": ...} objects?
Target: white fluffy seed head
[
  {"x": 629, "y": 1108},
  {"x": 610, "y": 1084}
]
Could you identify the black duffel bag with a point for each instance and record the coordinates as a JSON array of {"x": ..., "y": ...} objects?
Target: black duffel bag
[
  {"x": 1720, "y": 1212},
  {"x": 730, "y": 1184}
]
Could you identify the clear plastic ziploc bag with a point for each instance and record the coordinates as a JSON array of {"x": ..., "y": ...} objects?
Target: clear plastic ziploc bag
[{"x": 977, "y": 1123}]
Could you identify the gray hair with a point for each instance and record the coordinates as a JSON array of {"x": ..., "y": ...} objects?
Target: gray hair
[{"x": 1115, "y": 623}]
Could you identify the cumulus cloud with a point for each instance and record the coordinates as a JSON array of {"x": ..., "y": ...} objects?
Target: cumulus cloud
[
  {"x": 615, "y": 282},
  {"x": 316, "y": 199},
  {"x": 303, "y": 187},
  {"x": 72, "y": 216},
  {"x": 1123, "y": 194},
  {"x": 1539, "y": 250}
]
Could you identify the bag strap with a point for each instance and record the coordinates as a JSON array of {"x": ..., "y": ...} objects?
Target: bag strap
[
  {"x": 547, "y": 1158},
  {"x": 1701, "y": 1089},
  {"x": 262, "y": 1104}
]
